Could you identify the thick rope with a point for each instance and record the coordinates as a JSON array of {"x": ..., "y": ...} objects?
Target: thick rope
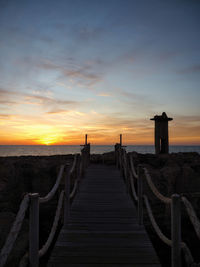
[
  {"x": 24, "y": 260},
  {"x": 50, "y": 195},
  {"x": 12, "y": 236},
  {"x": 186, "y": 251},
  {"x": 187, "y": 255},
  {"x": 124, "y": 160},
  {"x": 73, "y": 165},
  {"x": 133, "y": 168},
  {"x": 133, "y": 187},
  {"x": 154, "y": 224},
  {"x": 155, "y": 190},
  {"x": 120, "y": 159},
  {"x": 74, "y": 189},
  {"x": 43, "y": 250},
  {"x": 192, "y": 215},
  {"x": 46, "y": 246}
]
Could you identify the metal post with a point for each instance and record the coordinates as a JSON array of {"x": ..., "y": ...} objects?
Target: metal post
[
  {"x": 120, "y": 140},
  {"x": 67, "y": 196},
  {"x": 34, "y": 230},
  {"x": 86, "y": 139},
  {"x": 140, "y": 195},
  {"x": 176, "y": 230}
]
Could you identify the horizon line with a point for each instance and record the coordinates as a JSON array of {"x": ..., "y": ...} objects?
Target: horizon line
[{"x": 94, "y": 144}]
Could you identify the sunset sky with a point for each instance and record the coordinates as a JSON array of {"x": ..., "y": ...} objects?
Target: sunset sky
[{"x": 98, "y": 67}]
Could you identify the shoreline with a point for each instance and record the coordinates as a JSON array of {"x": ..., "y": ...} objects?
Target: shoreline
[{"x": 57, "y": 150}]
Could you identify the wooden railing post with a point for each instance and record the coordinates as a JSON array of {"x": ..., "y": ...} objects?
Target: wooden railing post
[
  {"x": 125, "y": 167},
  {"x": 88, "y": 154},
  {"x": 117, "y": 147},
  {"x": 83, "y": 157},
  {"x": 176, "y": 230},
  {"x": 34, "y": 230},
  {"x": 140, "y": 195},
  {"x": 67, "y": 195},
  {"x": 86, "y": 139},
  {"x": 120, "y": 140}
]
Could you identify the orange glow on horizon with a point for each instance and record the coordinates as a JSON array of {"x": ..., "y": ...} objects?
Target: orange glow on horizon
[
  {"x": 110, "y": 140},
  {"x": 101, "y": 130}
]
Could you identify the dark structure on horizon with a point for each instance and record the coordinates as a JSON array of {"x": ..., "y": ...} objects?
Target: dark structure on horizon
[{"x": 161, "y": 133}]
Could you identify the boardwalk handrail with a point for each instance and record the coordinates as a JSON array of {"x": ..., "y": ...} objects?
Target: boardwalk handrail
[
  {"x": 192, "y": 215},
  {"x": 14, "y": 231},
  {"x": 32, "y": 200},
  {"x": 126, "y": 165},
  {"x": 51, "y": 194},
  {"x": 161, "y": 197}
]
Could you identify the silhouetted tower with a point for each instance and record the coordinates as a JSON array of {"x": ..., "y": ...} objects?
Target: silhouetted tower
[{"x": 161, "y": 133}]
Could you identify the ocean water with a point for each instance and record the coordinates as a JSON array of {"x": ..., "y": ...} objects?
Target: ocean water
[{"x": 42, "y": 150}]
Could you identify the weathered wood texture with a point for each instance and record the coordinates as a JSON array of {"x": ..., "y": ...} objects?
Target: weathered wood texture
[{"x": 103, "y": 228}]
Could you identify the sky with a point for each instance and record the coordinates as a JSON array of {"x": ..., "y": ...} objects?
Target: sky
[{"x": 104, "y": 68}]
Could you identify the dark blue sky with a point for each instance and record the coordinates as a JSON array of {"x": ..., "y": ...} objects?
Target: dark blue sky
[{"x": 120, "y": 61}]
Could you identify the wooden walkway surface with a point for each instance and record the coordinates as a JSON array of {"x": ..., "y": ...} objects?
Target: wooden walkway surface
[{"x": 103, "y": 228}]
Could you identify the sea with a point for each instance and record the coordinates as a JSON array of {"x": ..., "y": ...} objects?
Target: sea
[{"x": 45, "y": 150}]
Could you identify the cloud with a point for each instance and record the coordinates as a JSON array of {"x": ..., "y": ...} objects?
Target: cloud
[
  {"x": 87, "y": 33},
  {"x": 187, "y": 118},
  {"x": 167, "y": 55},
  {"x": 12, "y": 98},
  {"x": 42, "y": 100},
  {"x": 104, "y": 94},
  {"x": 82, "y": 74},
  {"x": 142, "y": 103},
  {"x": 6, "y": 116},
  {"x": 190, "y": 70},
  {"x": 57, "y": 111}
]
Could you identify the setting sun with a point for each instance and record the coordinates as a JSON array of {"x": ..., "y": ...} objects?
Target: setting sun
[{"x": 47, "y": 140}]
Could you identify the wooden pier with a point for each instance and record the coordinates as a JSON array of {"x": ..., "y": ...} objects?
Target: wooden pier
[{"x": 102, "y": 228}]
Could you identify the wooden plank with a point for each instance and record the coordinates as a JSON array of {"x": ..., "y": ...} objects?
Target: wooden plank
[
  {"x": 137, "y": 258},
  {"x": 103, "y": 229},
  {"x": 55, "y": 264}
]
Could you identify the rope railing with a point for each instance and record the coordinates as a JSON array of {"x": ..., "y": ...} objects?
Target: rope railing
[
  {"x": 192, "y": 215},
  {"x": 46, "y": 246},
  {"x": 187, "y": 254},
  {"x": 133, "y": 191},
  {"x": 33, "y": 201},
  {"x": 133, "y": 168},
  {"x": 128, "y": 170},
  {"x": 51, "y": 194},
  {"x": 44, "y": 249},
  {"x": 162, "y": 198},
  {"x": 12, "y": 236},
  {"x": 165, "y": 239}
]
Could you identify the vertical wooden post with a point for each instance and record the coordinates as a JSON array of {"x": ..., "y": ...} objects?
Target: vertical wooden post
[
  {"x": 34, "y": 230},
  {"x": 67, "y": 196},
  {"x": 86, "y": 139},
  {"x": 140, "y": 195},
  {"x": 176, "y": 230},
  {"x": 120, "y": 140},
  {"x": 124, "y": 155}
]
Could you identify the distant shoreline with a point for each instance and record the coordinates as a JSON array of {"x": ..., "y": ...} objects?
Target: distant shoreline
[{"x": 44, "y": 150}]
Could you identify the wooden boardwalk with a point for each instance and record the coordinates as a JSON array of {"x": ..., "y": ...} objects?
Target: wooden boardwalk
[{"x": 103, "y": 228}]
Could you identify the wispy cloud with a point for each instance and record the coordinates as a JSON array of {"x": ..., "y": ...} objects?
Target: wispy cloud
[
  {"x": 195, "y": 69},
  {"x": 57, "y": 111},
  {"x": 81, "y": 74},
  {"x": 104, "y": 94},
  {"x": 12, "y": 98},
  {"x": 86, "y": 33}
]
